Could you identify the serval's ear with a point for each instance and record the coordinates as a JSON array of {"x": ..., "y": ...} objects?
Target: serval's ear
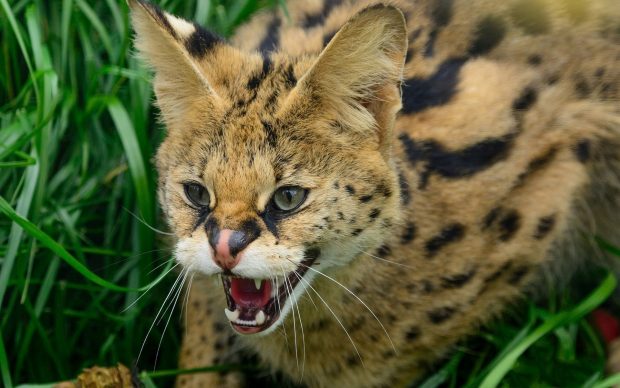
[
  {"x": 178, "y": 51},
  {"x": 358, "y": 74}
]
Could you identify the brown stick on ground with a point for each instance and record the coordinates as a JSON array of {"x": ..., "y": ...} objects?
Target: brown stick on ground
[{"x": 97, "y": 377}]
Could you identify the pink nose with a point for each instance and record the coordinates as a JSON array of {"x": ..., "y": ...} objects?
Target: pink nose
[{"x": 222, "y": 254}]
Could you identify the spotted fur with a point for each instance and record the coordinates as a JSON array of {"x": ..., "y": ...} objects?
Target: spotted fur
[{"x": 502, "y": 161}]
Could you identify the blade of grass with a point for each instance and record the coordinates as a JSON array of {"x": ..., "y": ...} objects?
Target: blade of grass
[
  {"x": 507, "y": 360},
  {"x": 58, "y": 249}
]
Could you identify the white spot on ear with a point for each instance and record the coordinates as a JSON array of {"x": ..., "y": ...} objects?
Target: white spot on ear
[{"x": 182, "y": 27}]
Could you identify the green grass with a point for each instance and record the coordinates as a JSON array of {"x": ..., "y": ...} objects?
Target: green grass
[{"x": 77, "y": 196}]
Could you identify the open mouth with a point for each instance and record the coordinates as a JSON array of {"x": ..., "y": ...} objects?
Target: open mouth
[{"x": 255, "y": 304}]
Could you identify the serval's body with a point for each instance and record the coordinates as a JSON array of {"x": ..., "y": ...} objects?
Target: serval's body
[{"x": 503, "y": 159}]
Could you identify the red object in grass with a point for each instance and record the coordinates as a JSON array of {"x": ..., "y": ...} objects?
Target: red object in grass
[{"x": 607, "y": 325}]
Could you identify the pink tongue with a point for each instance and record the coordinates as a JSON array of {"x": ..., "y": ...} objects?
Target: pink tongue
[{"x": 245, "y": 294}]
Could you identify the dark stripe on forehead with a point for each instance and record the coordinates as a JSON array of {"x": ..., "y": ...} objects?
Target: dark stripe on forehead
[
  {"x": 272, "y": 38},
  {"x": 256, "y": 80},
  {"x": 201, "y": 42}
]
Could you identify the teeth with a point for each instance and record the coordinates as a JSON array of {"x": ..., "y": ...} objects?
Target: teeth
[
  {"x": 231, "y": 315},
  {"x": 257, "y": 283},
  {"x": 260, "y": 318}
]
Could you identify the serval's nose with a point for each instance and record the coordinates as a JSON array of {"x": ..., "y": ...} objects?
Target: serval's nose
[{"x": 228, "y": 244}]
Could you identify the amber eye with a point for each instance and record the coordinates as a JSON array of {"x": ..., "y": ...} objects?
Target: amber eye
[
  {"x": 197, "y": 194},
  {"x": 289, "y": 198}
]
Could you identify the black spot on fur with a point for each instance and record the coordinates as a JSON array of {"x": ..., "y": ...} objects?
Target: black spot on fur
[
  {"x": 489, "y": 33},
  {"x": 201, "y": 41},
  {"x": 449, "y": 234},
  {"x": 356, "y": 232},
  {"x": 409, "y": 233},
  {"x": 582, "y": 150},
  {"x": 405, "y": 196},
  {"x": 374, "y": 213},
  {"x": 429, "y": 47},
  {"x": 441, "y": 13},
  {"x": 440, "y": 315},
  {"x": 490, "y": 218},
  {"x": 509, "y": 224},
  {"x": 526, "y": 100},
  {"x": 582, "y": 87},
  {"x": 535, "y": 165},
  {"x": 218, "y": 327},
  {"x": 531, "y": 16},
  {"x": 427, "y": 287},
  {"x": 412, "y": 333},
  {"x": 517, "y": 275},
  {"x": 350, "y": 189},
  {"x": 497, "y": 273},
  {"x": 316, "y": 19},
  {"x": 545, "y": 225},
  {"x": 336, "y": 185},
  {"x": 353, "y": 360},
  {"x": 383, "y": 251},
  {"x": 534, "y": 59},
  {"x": 289, "y": 77},
  {"x": 438, "y": 89},
  {"x": 340, "y": 216},
  {"x": 366, "y": 198},
  {"x": 272, "y": 38},
  {"x": 457, "y": 281},
  {"x": 383, "y": 189},
  {"x": 460, "y": 163}
]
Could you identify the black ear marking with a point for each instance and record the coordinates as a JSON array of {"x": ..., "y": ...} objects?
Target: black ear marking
[{"x": 201, "y": 42}]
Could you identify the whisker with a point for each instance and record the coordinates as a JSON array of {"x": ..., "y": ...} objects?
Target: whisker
[
  {"x": 359, "y": 299},
  {"x": 303, "y": 338},
  {"x": 146, "y": 223},
  {"x": 157, "y": 315},
  {"x": 176, "y": 300},
  {"x": 147, "y": 290},
  {"x": 186, "y": 301},
  {"x": 289, "y": 291},
  {"x": 337, "y": 319}
]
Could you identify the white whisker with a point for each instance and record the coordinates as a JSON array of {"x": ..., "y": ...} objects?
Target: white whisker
[
  {"x": 147, "y": 290},
  {"x": 359, "y": 299},
  {"x": 157, "y": 315},
  {"x": 146, "y": 224},
  {"x": 176, "y": 299},
  {"x": 337, "y": 319}
]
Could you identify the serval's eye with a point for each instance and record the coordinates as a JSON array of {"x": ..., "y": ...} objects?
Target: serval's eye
[
  {"x": 197, "y": 194},
  {"x": 289, "y": 198}
]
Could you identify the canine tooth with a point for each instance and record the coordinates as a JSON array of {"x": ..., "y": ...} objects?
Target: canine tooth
[
  {"x": 231, "y": 315},
  {"x": 260, "y": 317},
  {"x": 257, "y": 283}
]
